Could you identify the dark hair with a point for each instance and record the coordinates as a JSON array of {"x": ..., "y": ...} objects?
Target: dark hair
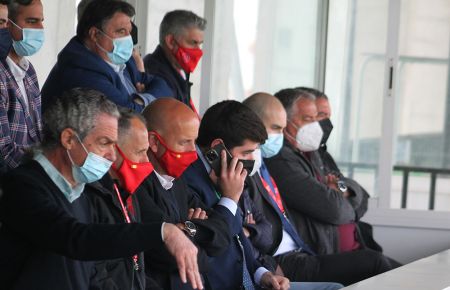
[
  {"x": 13, "y": 7},
  {"x": 126, "y": 115},
  {"x": 78, "y": 109},
  {"x": 98, "y": 12},
  {"x": 232, "y": 122},
  {"x": 315, "y": 92},
  {"x": 175, "y": 21}
]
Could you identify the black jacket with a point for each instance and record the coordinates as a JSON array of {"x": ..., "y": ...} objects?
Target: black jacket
[
  {"x": 212, "y": 237},
  {"x": 315, "y": 209},
  {"x": 52, "y": 239},
  {"x": 116, "y": 273},
  {"x": 157, "y": 64}
]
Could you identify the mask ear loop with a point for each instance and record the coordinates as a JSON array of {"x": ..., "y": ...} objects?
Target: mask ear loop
[{"x": 82, "y": 145}]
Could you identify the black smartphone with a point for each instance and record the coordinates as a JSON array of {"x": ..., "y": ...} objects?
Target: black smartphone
[{"x": 213, "y": 156}]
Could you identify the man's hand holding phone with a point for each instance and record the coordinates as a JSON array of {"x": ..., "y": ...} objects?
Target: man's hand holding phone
[{"x": 232, "y": 177}]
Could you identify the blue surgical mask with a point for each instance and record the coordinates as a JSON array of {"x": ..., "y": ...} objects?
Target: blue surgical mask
[
  {"x": 122, "y": 51},
  {"x": 93, "y": 168},
  {"x": 272, "y": 145},
  {"x": 5, "y": 43},
  {"x": 32, "y": 41}
]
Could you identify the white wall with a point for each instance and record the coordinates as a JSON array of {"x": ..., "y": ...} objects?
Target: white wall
[{"x": 406, "y": 244}]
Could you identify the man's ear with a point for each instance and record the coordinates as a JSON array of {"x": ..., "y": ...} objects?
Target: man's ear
[
  {"x": 93, "y": 31},
  {"x": 153, "y": 142},
  {"x": 216, "y": 142},
  {"x": 169, "y": 41},
  {"x": 67, "y": 138}
]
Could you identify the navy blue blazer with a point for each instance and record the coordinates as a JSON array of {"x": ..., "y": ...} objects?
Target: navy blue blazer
[{"x": 224, "y": 272}]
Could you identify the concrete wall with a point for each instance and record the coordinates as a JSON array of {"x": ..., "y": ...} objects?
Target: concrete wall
[{"x": 406, "y": 244}]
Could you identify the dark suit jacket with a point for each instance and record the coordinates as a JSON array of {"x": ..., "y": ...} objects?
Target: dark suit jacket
[
  {"x": 315, "y": 208},
  {"x": 225, "y": 270},
  {"x": 176, "y": 87},
  {"x": 212, "y": 237}
]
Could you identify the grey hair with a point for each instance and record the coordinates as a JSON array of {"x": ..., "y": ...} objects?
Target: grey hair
[
  {"x": 176, "y": 21},
  {"x": 77, "y": 109},
  {"x": 289, "y": 97},
  {"x": 318, "y": 94},
  {"x": 126, "y": 115}
]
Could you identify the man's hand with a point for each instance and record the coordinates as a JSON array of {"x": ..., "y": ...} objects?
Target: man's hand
[
  {"x": 232, "y": 177},
  {"x": 249, "y": 219},
  {"x": 185, "y": 253},
  {"x": 197, "y": 213},
  {"x": 140, "y": 87},
  {"x": 271, "y": 281},
  {"x": 332, "y": 181},
  {"x": 138, "y": 60}
]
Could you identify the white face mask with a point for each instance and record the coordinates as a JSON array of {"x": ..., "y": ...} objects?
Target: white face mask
[
  {"x": 258, "y": 159},
  {"x": 309, "y": 137}
]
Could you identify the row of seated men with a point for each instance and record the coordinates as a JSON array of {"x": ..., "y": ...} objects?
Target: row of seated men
[
  {"x": 151, "y": 201},
  {"x": 121, "y": 188}
]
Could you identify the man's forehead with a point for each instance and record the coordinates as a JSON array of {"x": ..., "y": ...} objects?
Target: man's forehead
[
  {"x": 119, "y": 19},
  {"x": 35, "y": 9}
]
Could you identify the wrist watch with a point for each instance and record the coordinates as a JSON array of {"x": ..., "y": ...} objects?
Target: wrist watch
[
  {"x": 342, "y": 186},
  {"x": 190, "y": 228}
]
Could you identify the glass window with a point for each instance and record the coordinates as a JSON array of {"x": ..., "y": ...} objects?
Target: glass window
[
  {"x": 262, "y": 46},
  {"x": 354, "y": 80},
  {"x": 422, "y": 110}
]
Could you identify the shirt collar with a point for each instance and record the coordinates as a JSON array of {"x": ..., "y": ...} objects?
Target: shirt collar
[
  {"x": 202, "y": 157},
  {"x": 18, "y": 70},
  {"x": 118, "y": 68},
  {"x": 166, "y": 181},
  {"x": 71, "y": 193}
]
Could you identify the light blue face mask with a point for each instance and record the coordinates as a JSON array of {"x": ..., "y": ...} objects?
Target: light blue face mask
[
  {"x": 272, "y": 145},
  {"x": 32, "y": 41},
  {"x": 93, "y": 168},
  {"x": 122, "y": 51}
]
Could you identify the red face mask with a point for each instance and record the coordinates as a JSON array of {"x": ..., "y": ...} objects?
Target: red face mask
[
  {"x": 175, "y": 163},
  {"x": 132, "y": 174},
  {"x": 188, "y": 58}
]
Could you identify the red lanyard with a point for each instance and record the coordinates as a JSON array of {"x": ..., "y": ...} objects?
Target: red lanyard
[
  {"x": 275, "y": 195},
  {"x": 127, "y": 220}
]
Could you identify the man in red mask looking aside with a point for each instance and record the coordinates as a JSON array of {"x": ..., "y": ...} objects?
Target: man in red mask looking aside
[
  {"x": 177, "y": 55},
  {"x": 114, "y": 201},
  {"x": 172, "y": 130}
]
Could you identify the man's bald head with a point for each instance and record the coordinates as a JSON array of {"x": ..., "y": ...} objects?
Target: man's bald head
[
  {"x": 269, "y": 109},
  {"x": 174, "y": 122},
  {"x": 164, "y": 114}
]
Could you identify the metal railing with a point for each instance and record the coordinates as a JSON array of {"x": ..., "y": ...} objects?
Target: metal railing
[{"x": 406, "y": 170}]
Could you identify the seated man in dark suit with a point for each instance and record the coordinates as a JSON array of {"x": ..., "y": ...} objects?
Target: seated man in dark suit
[
  {"x": 99, "y": 57},
  {"x": 177, "y": 54},
  {"x": 238, "y": 262},
  {"x": 297, "y": 259},
  {"x": 322, "y": 207},
  {"x": 48, "y": 237},
  {"x": 173, "y": 128}
]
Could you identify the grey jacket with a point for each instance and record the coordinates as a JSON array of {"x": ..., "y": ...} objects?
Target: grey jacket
[{"x": 315, "y": 209}]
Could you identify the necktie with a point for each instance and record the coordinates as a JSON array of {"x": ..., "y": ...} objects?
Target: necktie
[
  {"x": 246, "y": 278},
  {"x": 287, "y": 226}
]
